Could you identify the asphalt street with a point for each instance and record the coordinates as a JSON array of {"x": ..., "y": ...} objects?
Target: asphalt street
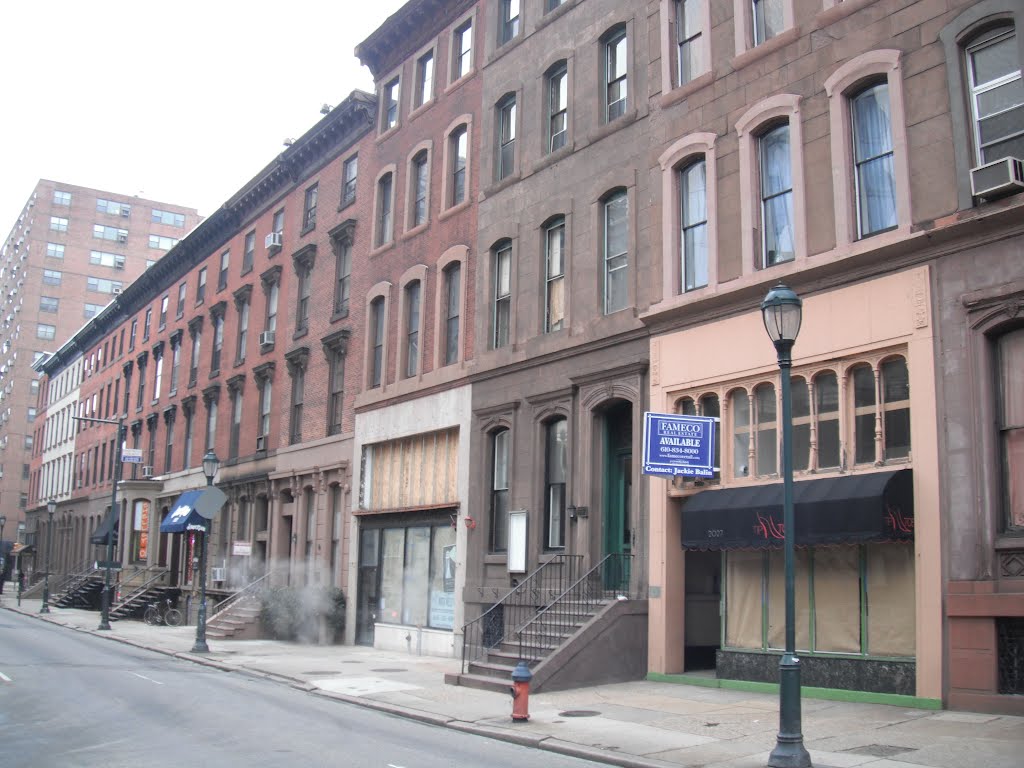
[{"x": 71, "y": 699}]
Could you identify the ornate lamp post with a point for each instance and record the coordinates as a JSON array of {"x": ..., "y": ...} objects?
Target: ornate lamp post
[
  {"x": 51, "y": 507},
  {"x": 210, "y": 466},
  {"x": 3, "y": 558},
  {"x": 782, "y": 313}
]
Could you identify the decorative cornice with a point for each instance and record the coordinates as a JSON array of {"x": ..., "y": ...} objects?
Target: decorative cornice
[
  {"x": 406, "y": 31},
  {"x": 297, "y": 359},
  {"x": 335, "y": 133},
  {"x": 218, "y": 310},
  {"x": 344, "y": 232},
  {"x": 242, "y": 295},
  {"x": 158, "y": 350},
  {"x": 188, "y": 404},
  {"x": 264, "y": 371},
  {"x": 152, "y": 420},
  {"x": 305, "y": 257},
  {"x": 169, "y": 413},
  {"x": 126, "y": 369},
  {"x": 141, "y": 360},
  {"x": 236, "y": 383},
  {"x": 195, "y": 326},
  {"x": 337, "y": 341},
  {"x": 271, "y": 276},
  {"x": 175, "y": 338},
  {"x": 211, "y": 393}
]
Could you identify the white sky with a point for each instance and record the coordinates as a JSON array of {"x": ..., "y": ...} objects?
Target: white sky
[{"x": 181, "y": 101}]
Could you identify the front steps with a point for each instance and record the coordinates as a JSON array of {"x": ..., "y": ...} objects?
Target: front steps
[{"x": 240, "y": 621}]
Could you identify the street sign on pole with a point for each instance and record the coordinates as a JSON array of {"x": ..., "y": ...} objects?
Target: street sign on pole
[{"x": 112, "y": 564}]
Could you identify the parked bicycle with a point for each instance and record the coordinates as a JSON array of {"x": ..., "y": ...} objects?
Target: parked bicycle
[{"x": 163, "y": 612}]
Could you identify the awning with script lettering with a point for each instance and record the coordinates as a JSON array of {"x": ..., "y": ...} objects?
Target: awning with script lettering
[
  {"x": 193, "y": 510},
  {"x": 844, "y": 509}
]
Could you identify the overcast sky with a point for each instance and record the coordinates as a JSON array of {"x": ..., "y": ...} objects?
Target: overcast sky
[{"x": 181, "y": 102}]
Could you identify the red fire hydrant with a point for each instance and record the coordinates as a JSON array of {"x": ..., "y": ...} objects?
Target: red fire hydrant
[{"x": 521, "y": 677}]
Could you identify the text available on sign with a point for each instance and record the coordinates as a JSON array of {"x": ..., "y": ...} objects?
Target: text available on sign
[{"x": 679, "y": 445}]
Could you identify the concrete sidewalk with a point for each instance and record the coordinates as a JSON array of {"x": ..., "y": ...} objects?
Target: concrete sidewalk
[{"x": 643, "y": 724}]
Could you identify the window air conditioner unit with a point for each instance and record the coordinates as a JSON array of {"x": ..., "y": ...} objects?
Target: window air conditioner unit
[
  {"x": 217, "y": 574},
  {"x": 261, "y": 443},
  {"x": 118, "y": 265},
  {"x": 273, "y": 240},
  {"x": 1002, "y": 177},
  {"x": 147, "y": 471},
  {"x": 116, "y": 291},
  {"x": 126, "y": 211},
  {"x": 267, "y": 337}
]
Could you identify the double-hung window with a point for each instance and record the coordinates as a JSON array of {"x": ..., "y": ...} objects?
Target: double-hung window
[
  {"x": 616, "y": 252},
  {"x": 689, "y": 39},
  {"x": 874, "y": 174},
  {"x": 558, "y": 107},
  {"x": 412, "y": 328},
  {"x": 424, "y": 79},
  {"x": 377, "y": 336},
  {"x": 509, "y": 21},
  {"x": 384, "y": 209},
  {"x": 556, "y": 470},
  {"x": 389, "y": 106},
  {"x": 768, "y": 19},
  {"x": 997, "y": 95},
  {"x": 336, "y": 391},
  {"x": 499, "y": 490},
  {"x": 309, "y": 207},
  {"x": 249, "y": 253},
  {"x": 349, "y": 173},
  {"x": 554, "y": 275},
  {"x": 615, "y": 75},
  {"x": 420, "y": 185},
  {"x": 452, "y": 293},
  {"x": 506, "y": 136},
  {"x": 502, "y": 294},
  {"x": 693, "y": 224},
  {"x": 342, "y": 276},
  {"x": 777, "y": 243},
  {"x": 458, "y": 151},
  {"x": 462, "y": 50}
]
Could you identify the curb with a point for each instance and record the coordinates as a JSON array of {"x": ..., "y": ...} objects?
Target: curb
[{"x": 545, "y": 743}]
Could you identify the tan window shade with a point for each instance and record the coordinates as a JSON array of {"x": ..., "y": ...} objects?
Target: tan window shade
[
  {"x": 743, "y": 599},
  {"x": 890, "y": 570},
  {"x": 837, "y": 599},
  {"x": 777, "y": 600}
]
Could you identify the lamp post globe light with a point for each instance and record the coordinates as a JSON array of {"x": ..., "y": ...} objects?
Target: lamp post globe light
[
  {"x": 782, "y": 312},
  {"x": 210, "y": 466},
  {"x": 51, "y": 507}
]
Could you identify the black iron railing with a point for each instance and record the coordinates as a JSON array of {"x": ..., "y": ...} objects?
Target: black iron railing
[
  {"x": 532, "y": 594},
  {"x": 67, "y": 582},
  {"x": 551, "y": 626}
]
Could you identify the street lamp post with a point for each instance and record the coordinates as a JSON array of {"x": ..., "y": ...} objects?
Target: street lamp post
[
  {"x": 3, "y": 557},
  {"x": 782, "y": 314},
  {"x": 51, "y": 507},
  {"x": 210, "y": 466}
]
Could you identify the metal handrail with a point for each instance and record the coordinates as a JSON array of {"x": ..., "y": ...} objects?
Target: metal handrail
[
  {"x": 247, "y": 591},
  {"x": 531, "y": 595},
  {"x": 143, "y": 588},
  {"x": 68, "y": 581},
  {"x": 608, "y": 580}
]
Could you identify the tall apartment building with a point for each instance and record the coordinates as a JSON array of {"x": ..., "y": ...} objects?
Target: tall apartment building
[{"x": 71, "y": 251}]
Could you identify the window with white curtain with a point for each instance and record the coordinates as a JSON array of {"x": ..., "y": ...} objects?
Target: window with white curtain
[
  {"x": 693, "y": 223},
  {"x": 874, "y": 175},
  {"x": 554, "y": 257},
  {"x": 616, "y": 252},
  {"x": 777, "y": 242}
]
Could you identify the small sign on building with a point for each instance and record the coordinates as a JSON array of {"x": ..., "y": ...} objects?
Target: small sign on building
[
  {"x": 679, "y": 445},
  {"x": 243, "y": 548},
  {"x": 131, "y": 455}
]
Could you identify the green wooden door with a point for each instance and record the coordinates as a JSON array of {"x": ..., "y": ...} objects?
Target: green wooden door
[{"x": 618, "y": 473}]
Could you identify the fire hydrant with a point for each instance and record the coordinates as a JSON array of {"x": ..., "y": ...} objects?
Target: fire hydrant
[{"x": 521, "y": 677}]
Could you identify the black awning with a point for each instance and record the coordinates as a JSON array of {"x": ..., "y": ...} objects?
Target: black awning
[
  {"x": 846, "y": 509},
  {"x": 103, "y": 531}
]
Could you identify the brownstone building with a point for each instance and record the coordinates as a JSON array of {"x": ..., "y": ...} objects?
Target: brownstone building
[{"x": 71, "y": 251}]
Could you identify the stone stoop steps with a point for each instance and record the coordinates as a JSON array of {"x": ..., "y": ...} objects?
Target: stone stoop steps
[
  {"x": 554, "y": 632},
  {"x": 240, "y": 621}
]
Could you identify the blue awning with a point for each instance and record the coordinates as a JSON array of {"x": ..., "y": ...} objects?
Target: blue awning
[{"x": 183, "y": 515}]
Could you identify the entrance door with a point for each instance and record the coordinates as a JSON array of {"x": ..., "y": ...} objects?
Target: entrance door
[
  {"x": 618, "y": 473},
  {"x": 175, "y": 559},
  {"x": 368, "y": 588},
  {"x": 703, "y": 634}
]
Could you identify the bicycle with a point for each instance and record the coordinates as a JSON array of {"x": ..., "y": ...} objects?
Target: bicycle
[{"x": 163, "y": 613}]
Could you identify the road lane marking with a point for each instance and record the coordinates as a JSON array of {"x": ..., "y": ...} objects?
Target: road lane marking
[
  {"x": 4, "y": 677},
  {"x": 147, "y": 678}
]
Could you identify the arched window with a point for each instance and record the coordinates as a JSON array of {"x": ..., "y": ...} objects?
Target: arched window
[
  {"x": 556, "y": 456},
  {"x": 499, "y": 490},
  {"x": 615, "y": 217},
  {"x": 693, "y": 224}
]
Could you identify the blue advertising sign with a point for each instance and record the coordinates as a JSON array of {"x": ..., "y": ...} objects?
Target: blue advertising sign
[{"x": 679, "y": 445}]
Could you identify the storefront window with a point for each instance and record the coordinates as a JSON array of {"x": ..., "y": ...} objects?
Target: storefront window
[
  {"x": 826, "y": 395},
  {"x": 832, "y": 585},
  {"x": 740, "y": 432},
  {"x": 801, "y": 424},
  {"x": 767, "y": 438},
  {"x": 417, "y": 575}
]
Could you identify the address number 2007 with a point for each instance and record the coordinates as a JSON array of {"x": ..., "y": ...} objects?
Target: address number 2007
[{"x": 715, "y": 533}]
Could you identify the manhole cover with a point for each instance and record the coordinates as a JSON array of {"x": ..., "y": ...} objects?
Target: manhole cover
[
  {"x": 579, "y": 713},
  {"x": 351, "y": 661},
  {"x": 319, "y": 672},
  {"x": 879, "y": 750},
  {"x": 389, "y": 669}
]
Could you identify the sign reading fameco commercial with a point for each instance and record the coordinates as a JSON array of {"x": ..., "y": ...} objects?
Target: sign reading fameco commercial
[{"x": 679, "y": 445}]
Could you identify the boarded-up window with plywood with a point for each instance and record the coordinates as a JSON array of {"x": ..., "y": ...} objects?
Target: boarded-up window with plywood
[{"x": 417, "y": 471}]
